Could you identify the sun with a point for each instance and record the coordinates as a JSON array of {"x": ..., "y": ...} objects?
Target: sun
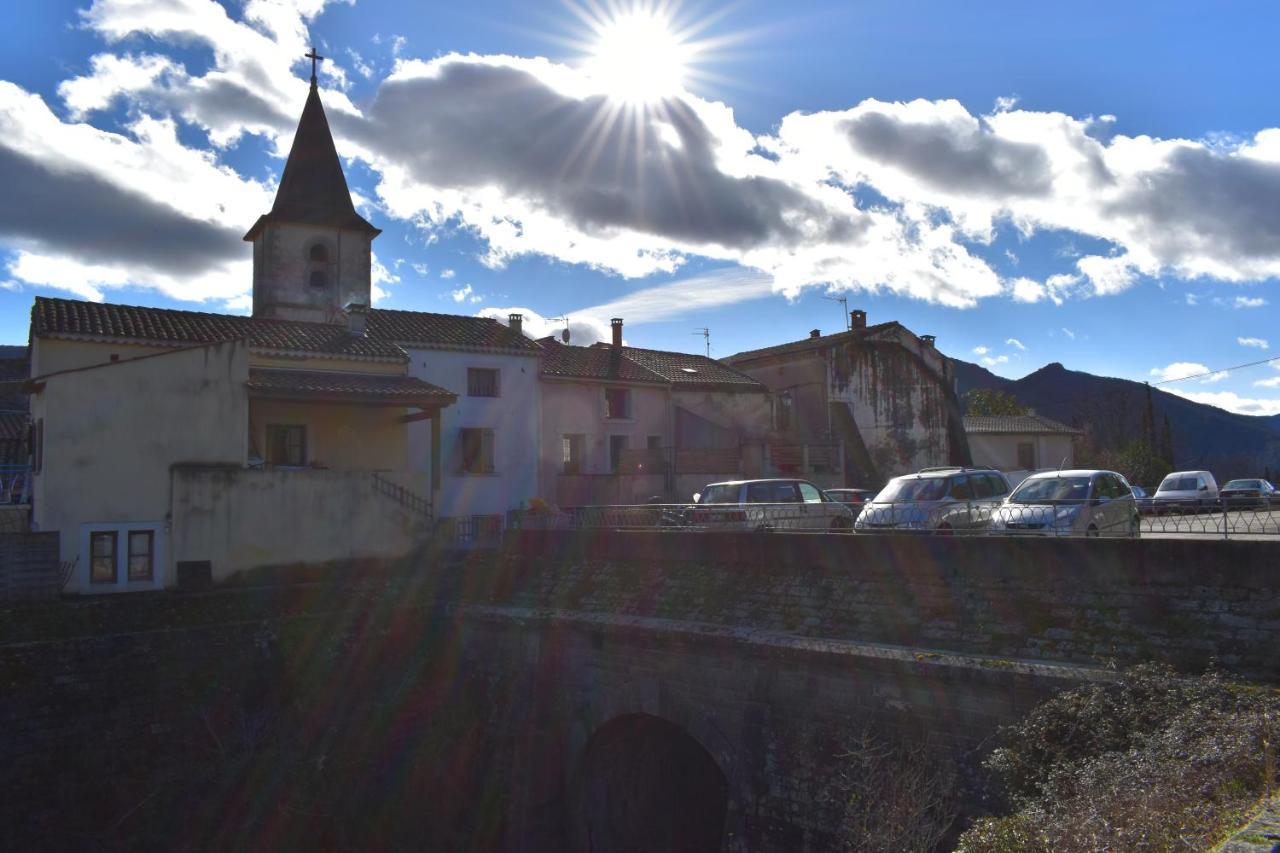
[{"x": 638, "y": 56}]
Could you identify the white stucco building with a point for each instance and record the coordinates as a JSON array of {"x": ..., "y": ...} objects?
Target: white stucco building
[{"x": 1020, "y": 442}]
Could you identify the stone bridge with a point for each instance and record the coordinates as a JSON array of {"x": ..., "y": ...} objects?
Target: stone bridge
[{"x": 603, "y": 691}]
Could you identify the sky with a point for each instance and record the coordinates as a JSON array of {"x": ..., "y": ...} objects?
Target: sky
[{"x": 1096, "y": 184}]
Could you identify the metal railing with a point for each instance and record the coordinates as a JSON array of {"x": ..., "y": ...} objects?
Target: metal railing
[
  {"x": 15, "y": 484},
  {"x": 408, "y": 499},
  {"x": 1118, "y": 517}
]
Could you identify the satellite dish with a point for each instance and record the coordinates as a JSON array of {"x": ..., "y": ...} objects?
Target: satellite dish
[{"x": 564, "y": 336}]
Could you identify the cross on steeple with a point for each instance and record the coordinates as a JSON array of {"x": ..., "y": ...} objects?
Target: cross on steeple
[{"x": 314, "y": 57}]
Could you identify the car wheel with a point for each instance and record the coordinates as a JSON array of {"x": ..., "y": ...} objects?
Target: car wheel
[
  {"x": 1092, "y": 532},
  {"x": 841, "y": 524}
]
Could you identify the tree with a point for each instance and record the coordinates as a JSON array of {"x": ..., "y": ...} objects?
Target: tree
[
  {"x": 989, "y": 401},
  {"x": 1166, "y": 442}
]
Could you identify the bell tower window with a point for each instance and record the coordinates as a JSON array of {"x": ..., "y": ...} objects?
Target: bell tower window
[{"x": 318, "y": 265}]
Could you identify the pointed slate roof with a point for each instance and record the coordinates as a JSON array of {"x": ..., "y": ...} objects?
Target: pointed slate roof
[{"x": 313, "y": 189}]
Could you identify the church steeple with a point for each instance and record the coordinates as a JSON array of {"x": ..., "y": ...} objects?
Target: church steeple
[{"x": 312, "y": 250}]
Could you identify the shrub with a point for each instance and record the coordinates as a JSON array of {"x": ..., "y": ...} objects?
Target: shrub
[
  {"x": 897, "y": 794},
  {"x": 1150, "y": 761}
]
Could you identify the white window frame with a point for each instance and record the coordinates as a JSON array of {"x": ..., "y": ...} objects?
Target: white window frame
[{"x": 159, "y": 557}]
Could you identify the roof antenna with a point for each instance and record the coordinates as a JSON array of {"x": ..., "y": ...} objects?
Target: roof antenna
[
  {"x": 844, "y": 309},
  {"x": 564, "y": 333},
  {"x": 706, "y": 336}
]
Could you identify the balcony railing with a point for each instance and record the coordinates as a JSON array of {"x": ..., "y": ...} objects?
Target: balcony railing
[{"x": 15, "y": 484}]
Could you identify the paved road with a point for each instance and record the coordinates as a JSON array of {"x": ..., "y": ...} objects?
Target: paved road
[{"x": 1238, "y": 524}]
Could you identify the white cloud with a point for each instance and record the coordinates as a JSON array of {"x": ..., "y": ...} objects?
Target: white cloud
[
  {"x": 1256, "y": 343},
  {"x": 1192, "y": 299},
  {"x": 981, "y": 350},
  {"x": 1232, "y": 401},
  {"x": 464, "y": 140},
  {"x": 1027, "y": 290},
  {"x": 584, "y": 329},
  {"x": 1016, "y": 344},
  {"x": 679, "y": 298},
  {"x": 447, "y": 274},
  {"x": 992, "y": 361},
  {"x": 1070, "y": 334},
  {"x": 462, "y": 294},
  {"x": 1273, "y": 382},
  {"x": 1185, "y": 369}
]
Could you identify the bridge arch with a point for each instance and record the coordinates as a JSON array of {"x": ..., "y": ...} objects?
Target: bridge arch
[{"x": 644, "y": 783}]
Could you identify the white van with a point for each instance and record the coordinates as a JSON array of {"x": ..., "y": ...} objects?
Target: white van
[{"x": 1183, "y": 490}]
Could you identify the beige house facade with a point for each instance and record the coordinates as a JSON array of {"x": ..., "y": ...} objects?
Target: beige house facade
[
  {"x": 861, "y": 406},
  {"x": 623, "y": 425}
]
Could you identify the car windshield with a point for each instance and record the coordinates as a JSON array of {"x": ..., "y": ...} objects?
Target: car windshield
[
  {"x": 1245, "y": 484},
  {"x": 1178, "y": 484},
  {"x": 912, "y": 489},
  {"x": 722, "y": 494},
  {"x": 1051, "y": 490},
  {"x": 1138, "y": 491}
]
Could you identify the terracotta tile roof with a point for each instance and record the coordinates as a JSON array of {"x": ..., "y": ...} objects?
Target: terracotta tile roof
[
  {"x": 682, "y": 368},
  {"x": 820, "y": 342},
  {"x": 445, "y": 331},
  {"x": 593, "y": 363},
  {"x": 363, "y": 386},
  {"x": 1016, "y": 424},
  {"x": 100, "y": 320}
]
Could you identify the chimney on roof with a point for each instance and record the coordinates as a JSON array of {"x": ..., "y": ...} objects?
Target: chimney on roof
[
  {"x": 357, "y": 319},
  {"x": 815, "y": 333},
  {"x": 857, "y": 319},
  {"x": 616, "y": 323},
  {"x": 928, "y": 339},
  {"x": 516, "y": 323}
]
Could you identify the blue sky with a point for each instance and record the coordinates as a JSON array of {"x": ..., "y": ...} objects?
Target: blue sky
[{"x": 1091, "y": 183}]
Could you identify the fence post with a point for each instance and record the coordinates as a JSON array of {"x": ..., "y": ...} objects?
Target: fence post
[{"x": 1225, "y": 526}]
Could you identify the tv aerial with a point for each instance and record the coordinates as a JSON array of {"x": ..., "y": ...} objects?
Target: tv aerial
[
  {"x": 706, "y": 337},
  {"x": 564, "y": 333},
  {"x": 844, "y": 308}
]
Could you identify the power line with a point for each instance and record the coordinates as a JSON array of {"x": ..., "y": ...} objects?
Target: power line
[{"x": 1222, "y": 370}]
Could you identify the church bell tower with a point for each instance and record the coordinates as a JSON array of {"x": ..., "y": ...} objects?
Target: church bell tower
[{"x": 312, "y": 252}]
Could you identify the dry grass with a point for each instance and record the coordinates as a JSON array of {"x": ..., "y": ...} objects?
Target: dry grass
[{"x": 1151, "y": 762}]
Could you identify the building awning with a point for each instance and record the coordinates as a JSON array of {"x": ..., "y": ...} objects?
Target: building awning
[{"x": 336, "y": 387}]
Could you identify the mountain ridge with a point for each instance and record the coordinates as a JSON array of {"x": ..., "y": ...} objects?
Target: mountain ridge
[{"x": 1111, "y": 411}]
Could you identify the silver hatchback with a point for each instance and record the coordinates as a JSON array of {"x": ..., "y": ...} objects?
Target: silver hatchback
[
  {"x": 936, "y": 500},
  {"x": 1070, "y": 503}
]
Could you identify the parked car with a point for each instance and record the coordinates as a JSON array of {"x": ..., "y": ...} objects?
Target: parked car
[
  {"x": 1239, "y": 494},
  {"x": 1146, "y": 503},
  {"x": 1183, "y": 490},
  {"x": 854, "y": 498},
  {"x": 936, "y": 500},
  {"x": 1070, "y": 503},
  {"x": 777, "y": 504}
]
